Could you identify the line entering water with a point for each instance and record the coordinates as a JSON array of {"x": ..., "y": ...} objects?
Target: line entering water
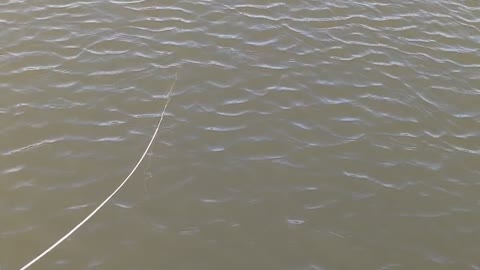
[{"x": 68, "y": 234}]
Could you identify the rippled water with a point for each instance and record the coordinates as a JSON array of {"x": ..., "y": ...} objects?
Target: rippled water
[{"x": 311, "y": 135}]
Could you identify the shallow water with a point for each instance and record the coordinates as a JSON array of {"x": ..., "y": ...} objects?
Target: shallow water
[{"x": 303, "y": 135}]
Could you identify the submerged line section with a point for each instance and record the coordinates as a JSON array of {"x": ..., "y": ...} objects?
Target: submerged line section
[{"x": 68, "y": 234}]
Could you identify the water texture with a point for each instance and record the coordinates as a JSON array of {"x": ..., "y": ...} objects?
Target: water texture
[{"x": 314, "y": 135}]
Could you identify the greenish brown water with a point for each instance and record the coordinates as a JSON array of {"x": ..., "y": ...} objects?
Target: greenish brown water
[{"x": 313, "y": 135}]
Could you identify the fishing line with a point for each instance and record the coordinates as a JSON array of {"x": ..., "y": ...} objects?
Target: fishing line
[{"x": 68, "y": 234}]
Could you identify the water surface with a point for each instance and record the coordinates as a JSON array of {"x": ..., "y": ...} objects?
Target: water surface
[{"x": 300, "y": 135}]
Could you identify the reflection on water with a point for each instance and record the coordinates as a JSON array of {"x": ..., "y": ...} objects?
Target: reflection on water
[{"x": 303, "y": 135}]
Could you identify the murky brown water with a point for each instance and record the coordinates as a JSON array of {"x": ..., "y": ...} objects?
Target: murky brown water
[{"x": 302, "y": 135}]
